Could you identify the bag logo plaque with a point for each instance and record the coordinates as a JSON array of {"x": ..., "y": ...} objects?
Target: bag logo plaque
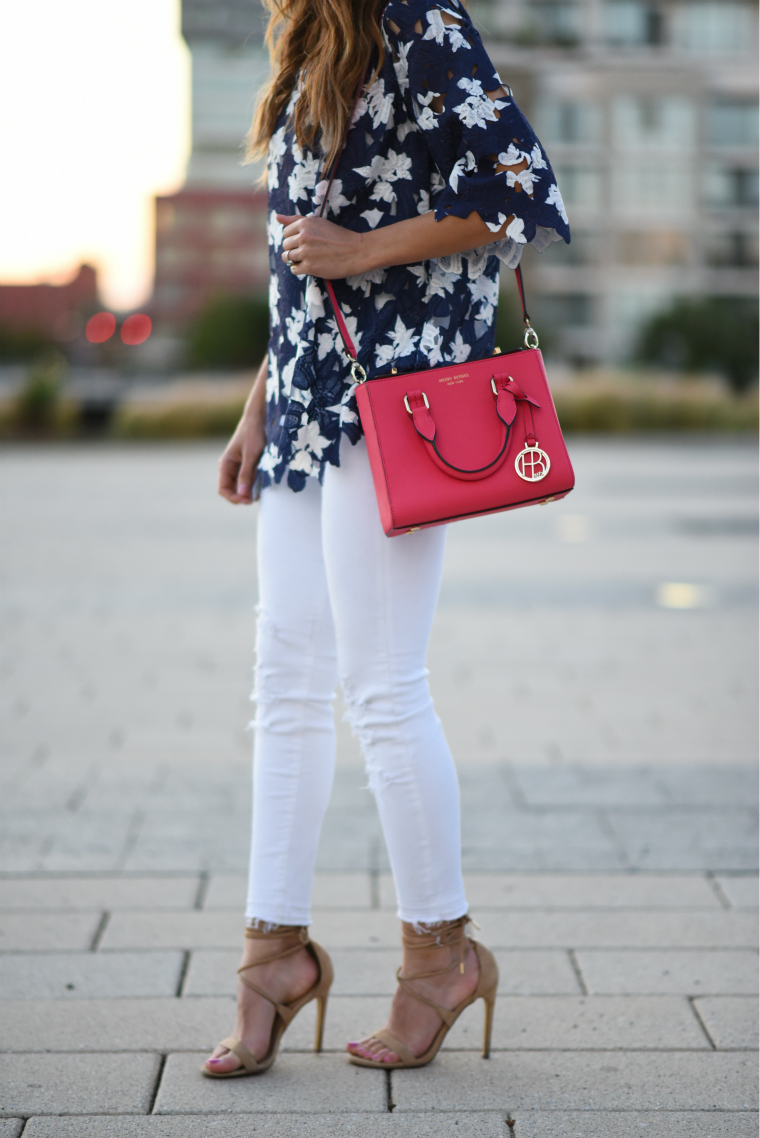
[{"x": 532, "y": 464}]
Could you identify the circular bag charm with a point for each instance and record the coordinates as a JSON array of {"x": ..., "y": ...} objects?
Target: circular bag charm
[{"x": 532, "y": 464}]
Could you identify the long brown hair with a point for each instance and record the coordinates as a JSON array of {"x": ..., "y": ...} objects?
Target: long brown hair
[{"x": 329, "y": 42}]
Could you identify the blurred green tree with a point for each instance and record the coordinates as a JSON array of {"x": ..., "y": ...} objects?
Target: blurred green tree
[
  {"x": 37, "y": 402},
  {"x": 20, "y": 344},
  {"x": 230, "y": 332},
  {"x": 711, "y": 334}
]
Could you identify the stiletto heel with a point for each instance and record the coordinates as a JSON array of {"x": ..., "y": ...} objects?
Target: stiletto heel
[
  {"x": 488, "y": 1002},
  {"x": 294, "y": 938},
  {"x": 448, "y": 935},
  {"x": 321, "y": 1010}
]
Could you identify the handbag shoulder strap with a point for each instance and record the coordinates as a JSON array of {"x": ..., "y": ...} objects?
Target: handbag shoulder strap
[{"x": 358, "y": 374}]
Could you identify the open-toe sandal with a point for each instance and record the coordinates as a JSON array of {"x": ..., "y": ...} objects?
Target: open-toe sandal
[
  {"x": 294, "y": 938},
  {"x": 449, "y": 935}
]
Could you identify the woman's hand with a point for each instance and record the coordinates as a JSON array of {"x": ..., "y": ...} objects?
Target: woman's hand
[
  {"x": 320, "y": 248},
  {"x": 237, "y": 466}
]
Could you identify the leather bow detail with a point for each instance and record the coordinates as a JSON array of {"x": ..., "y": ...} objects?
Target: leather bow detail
[{"x": 507, "y": 392}]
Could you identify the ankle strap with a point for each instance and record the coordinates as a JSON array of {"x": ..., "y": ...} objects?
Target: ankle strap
[
  {"x": 292, "y": 938},
  {"x": 446, "y": 934},
  {"x": 443, "y": 934}
]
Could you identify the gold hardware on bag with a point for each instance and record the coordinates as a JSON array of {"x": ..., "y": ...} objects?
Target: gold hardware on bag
[
  {"x": 532, "y": 464},
  {"x": 530, "y": 339},
  {"x": 394, "y": 371},
  {"x": 497, "y": 351},
  {"x": 406, "y": 403},
  {"x": 358, "y": 374}
]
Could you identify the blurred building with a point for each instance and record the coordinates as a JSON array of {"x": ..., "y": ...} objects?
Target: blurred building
[
  {"x": 211, "y": 236},
  {"x": 54, "y": 312},
  {"x": 649, "y": 111}
]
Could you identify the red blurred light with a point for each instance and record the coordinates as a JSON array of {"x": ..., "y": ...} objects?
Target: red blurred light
[
  {"x": 100, "y": 327},
  {"x": 136, "y": 328}
]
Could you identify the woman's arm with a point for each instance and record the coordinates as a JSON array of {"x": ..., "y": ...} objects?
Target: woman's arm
[
  {"x": 237, "y": 466},
  {"x": 323, "y": 249}
]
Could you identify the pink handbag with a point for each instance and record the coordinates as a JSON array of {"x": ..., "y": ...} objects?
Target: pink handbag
[{"x": 462, "y": 440}]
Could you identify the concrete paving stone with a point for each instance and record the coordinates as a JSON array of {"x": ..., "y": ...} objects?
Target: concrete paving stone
[
  {"x": 95, "y": 1083},
  {"x": 173, "y": 929},
  {"x": 468, "y": 1125},
  {"x": 162, "y": 1024},
  {"x": 690, "y": 973},
  {"x": 11, "y": 1127},
  {"x": 89, "y": 975},
  {"x": 372, "y": 972},
  {"x": 732, "y": 1021},
  {"x": 625, "y": 928},
  {"x": 741, "y": 890},
  {"x": 546, "y": 1023},
  {"x": 331, "y": 890},
  {"x": 697, "y": 838},
  {"x": 111, "y": 893},
  {"x": 596, "y": 1023},
  {"x": 638, "y": 1124},
  {"x": 732, "y": 784},
  {"x": 297, "y": 1083},
  {"x": 573, "y": 785},
  {"x": 46, "y": 932},
  {"x": 579, "y": 891},
  {"x": 583, "y": 1081}
]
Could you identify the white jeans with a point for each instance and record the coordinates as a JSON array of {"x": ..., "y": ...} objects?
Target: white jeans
[{"x": 339, "y": 599}]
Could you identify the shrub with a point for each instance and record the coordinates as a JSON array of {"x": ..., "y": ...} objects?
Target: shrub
[
  {"x": 715, "y": 334},
  {"x": 37, "y": 402},
  {"x": 230, "y": 332}
]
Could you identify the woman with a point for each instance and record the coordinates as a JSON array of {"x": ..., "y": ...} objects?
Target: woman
[{"x": 441, "y": 178}]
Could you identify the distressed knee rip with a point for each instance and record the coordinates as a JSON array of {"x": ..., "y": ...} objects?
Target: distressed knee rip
[
  {"x": 282, "y": 685},
  {"x": 373, "y": 723}
]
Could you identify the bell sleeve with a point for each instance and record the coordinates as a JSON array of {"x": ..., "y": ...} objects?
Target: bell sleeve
[{"x": 475, "y": 141}]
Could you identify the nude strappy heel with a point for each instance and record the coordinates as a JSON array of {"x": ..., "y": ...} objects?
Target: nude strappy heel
[
  {"x": 295, "y": 938},
  {"x": 446, "y": 935}
]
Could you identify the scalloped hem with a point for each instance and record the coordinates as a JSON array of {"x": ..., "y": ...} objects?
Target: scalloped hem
[{"x": 507, "y": 250}]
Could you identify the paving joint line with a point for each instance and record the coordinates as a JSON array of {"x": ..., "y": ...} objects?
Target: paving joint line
[
  {"x": 203, "y": 884},
  {"x": 390, "y": 1105},
  {"x": 182, "y": 973},
  {"x": 159, "y": 1076},
  {"x": 98, "y": 935},
  {"x": 577, "y": 970},
  {"x": 701, "y": 1022},
  {"x": 714, "y": 884}
]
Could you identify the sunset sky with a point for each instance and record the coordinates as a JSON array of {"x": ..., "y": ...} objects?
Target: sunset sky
[{"x": 95, "y": 121}]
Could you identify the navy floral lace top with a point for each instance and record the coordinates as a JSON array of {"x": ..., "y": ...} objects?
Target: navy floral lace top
[{"x": 402, "y": 158}]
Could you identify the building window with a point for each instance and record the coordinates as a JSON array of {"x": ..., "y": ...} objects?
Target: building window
[
  {"x": 628, "y": 23},
  {"x": 580, "y": 186},
  {"x": 654, "y": 247},
  {"x": 667, "y": 124},
  {"x": 565, "y": 120},
  {"x": 729, "y": 187},
  {"x": 655, "y": 190},
  {"x": 732, "y": 123},
  {"x": 566, "y": 310},
  {"x": 556, "y": 21},
  {"x": 704, "y": 28},
  {"x": 732, "y": 250},
  {"x": 582, "y": 250}
]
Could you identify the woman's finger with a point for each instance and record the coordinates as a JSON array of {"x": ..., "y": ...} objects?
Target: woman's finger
[{"x": 229, "y": 467}]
